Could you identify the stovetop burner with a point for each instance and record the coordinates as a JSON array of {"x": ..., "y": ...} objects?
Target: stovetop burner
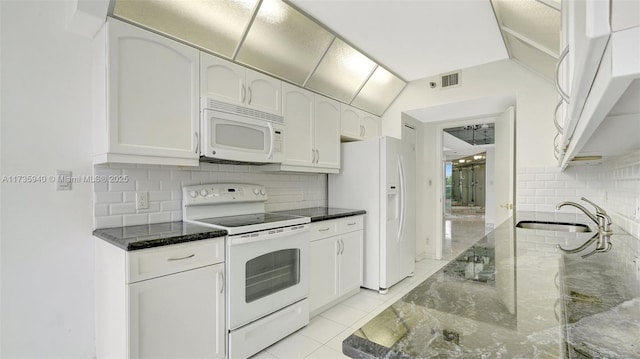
[
  {"x": 236, "y": 208},
  {"x": 247, "y": 219}
]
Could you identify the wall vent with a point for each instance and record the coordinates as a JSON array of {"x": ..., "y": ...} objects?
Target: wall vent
[{"x": 451, "y": 79}]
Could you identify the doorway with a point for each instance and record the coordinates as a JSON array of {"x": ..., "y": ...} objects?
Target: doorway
[
  {"x": 433, "y": 166},
  {"x": 465, "y": 185}
]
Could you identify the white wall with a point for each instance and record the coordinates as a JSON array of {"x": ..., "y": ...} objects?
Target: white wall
[
  {"x": 535, "y": 98},
  {"x": 46, "y": 249}
]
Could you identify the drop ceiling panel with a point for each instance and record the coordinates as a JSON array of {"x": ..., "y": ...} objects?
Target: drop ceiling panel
[
  {"x": 283, "y": 42},
  {"x": 217, "y": 25},
  {"x": 415, "y": 39},
  {"x": 531, "y": 57},
  {"x": 532, "y": 19},
  {"x": 342, "y": 72},
  {"x": 379, "y": 91}
]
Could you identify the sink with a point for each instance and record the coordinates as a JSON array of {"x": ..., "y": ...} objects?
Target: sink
[{"x": 554, "y": 226}]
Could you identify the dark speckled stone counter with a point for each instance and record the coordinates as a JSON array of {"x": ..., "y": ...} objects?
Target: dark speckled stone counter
[
  {"x": 514, "y": 295},
  {"x": 324, "y": 213},
  {"x": 132, "y": 238}
]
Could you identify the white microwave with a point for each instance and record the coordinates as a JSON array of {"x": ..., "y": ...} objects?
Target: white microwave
[{"x": 231, "y": 133}]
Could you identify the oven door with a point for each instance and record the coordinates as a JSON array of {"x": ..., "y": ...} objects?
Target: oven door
[
  {"x": 233, "y": 137},
  {"x": 267, "y": 271}
]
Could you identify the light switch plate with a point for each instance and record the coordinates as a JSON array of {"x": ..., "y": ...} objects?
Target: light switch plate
[{"x": 63, "y": 180}]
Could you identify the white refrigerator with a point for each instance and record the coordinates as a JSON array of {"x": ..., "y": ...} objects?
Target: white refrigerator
[{"x": 378, "y": 175}]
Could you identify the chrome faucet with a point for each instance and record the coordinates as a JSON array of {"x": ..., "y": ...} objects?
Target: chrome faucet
[{"x": 602, "y": 219}]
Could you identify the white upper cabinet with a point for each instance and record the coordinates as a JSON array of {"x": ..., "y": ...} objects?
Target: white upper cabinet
[
  {"x": 312, "y": 140},
  {"x": 327, "y": 132},
  {"x": 357, "y": 124},
  {"x": 231, "y": 83},
  {"x": 598, "y": 81},
  {"x": 146, "y": 97},
  {"x": 298, "y": 117}
]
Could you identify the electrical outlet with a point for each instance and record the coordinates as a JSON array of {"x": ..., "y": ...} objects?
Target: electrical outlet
[{"x": 142, "y": 200}]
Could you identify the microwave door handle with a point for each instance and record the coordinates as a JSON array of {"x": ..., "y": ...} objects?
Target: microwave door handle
[{"x": 270, "y": 140}]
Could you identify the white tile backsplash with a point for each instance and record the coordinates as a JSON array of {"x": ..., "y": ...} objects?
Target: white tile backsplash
[
  {"x": 114, "y": 204},
  {"x": 614, "y": 185}
]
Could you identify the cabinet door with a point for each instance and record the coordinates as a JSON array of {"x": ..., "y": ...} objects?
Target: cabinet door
[
  {"x": 327, "y": 132},
  {"x": 298, "y": 117},
  {"x": 323, "y": 281},
  {"x": 179, "y": 315},
  {"x": 371, "y": 126},
  {"x": 264, "y": 93},
  {"x": 351, "y": 261},
  {"x": 152, "y": 94},
  {"x": 222, "y": 80},
  {"x": 350, "y": 122}
]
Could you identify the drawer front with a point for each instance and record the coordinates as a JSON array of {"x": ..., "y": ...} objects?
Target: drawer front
[
  {"x": 351, "y": 224},
  {"x": 324, "y": 229},
  {"x": 159, "y": 261}
]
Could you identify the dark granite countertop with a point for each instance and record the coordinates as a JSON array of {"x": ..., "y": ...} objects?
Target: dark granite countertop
[
  {"x": 514, "y": 295},
  {"x": 132, "y": 238},
  {"x": 324, "y": 213}
]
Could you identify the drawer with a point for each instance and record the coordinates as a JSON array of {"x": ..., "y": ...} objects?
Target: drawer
[
  {"x": 324, "y": 229},
  {"x": 351, "y": 224},
  {"x": 155, "y": 262}
]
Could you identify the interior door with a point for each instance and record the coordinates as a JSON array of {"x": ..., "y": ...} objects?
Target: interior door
[{"x": 504, "y": 166}]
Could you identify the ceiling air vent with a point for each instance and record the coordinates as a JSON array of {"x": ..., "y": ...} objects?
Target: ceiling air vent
[{"x": 451, "y": 79}]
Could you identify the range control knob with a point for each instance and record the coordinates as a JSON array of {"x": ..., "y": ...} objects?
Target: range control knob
[
  {"x": 263, "y": 191},
  {"x": 256, "y": 191},
  {"x": 193, "y": 194},
  {"x": 204, "y": 192}
]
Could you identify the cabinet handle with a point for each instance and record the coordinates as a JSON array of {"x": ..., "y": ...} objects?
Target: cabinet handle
[
  {"x": 323, "y": 229},
  {"x": 222, "y": 287},
  {"x": 361, "y": 130},
  {"x": 313, "y": 155},
  {"x": 342, "y": 247},
  {"x": 563, "y": 94},
  {"x": 555, "y": 117},
  {"x": 351, "y": 224},
  {"x": 250, "y": 96},
  {"x": 197, "y": 143},
  {"x": 244, "y": 93},
  {"x": 181, "y": 258},
  {"x": 317, "y": 155},
  {"x": 339, "y": 247}
]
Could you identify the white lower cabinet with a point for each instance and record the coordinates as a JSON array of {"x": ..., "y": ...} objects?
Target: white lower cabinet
[
  {"x": 335, "y": 261},
  {"x": 170, "y": 315}
]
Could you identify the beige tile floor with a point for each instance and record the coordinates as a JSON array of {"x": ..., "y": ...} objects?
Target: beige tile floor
[{"x": 323, "y": 337}]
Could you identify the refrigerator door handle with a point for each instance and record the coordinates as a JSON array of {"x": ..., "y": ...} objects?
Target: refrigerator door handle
[{"x": 402, "y": 195}]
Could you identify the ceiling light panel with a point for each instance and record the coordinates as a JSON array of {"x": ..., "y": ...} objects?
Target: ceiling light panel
[
  {"x": 216, "y": 26},
  {"x": 531, "y": 19},
  {"x": 379, "y": 91},
  {"x": 531, "y": 57},
  {"x": 284, "y": 42},
  {"x": 341, "y": 72}
]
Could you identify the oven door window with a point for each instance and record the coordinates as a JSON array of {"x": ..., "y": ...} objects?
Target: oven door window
[{"x": 271, "y": 273}]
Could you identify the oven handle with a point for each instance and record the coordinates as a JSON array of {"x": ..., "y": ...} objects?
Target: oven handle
[{"x": 265, "y": 236}]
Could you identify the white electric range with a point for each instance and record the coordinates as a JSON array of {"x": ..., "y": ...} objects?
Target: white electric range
[{"x": 267, "y": 263}]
